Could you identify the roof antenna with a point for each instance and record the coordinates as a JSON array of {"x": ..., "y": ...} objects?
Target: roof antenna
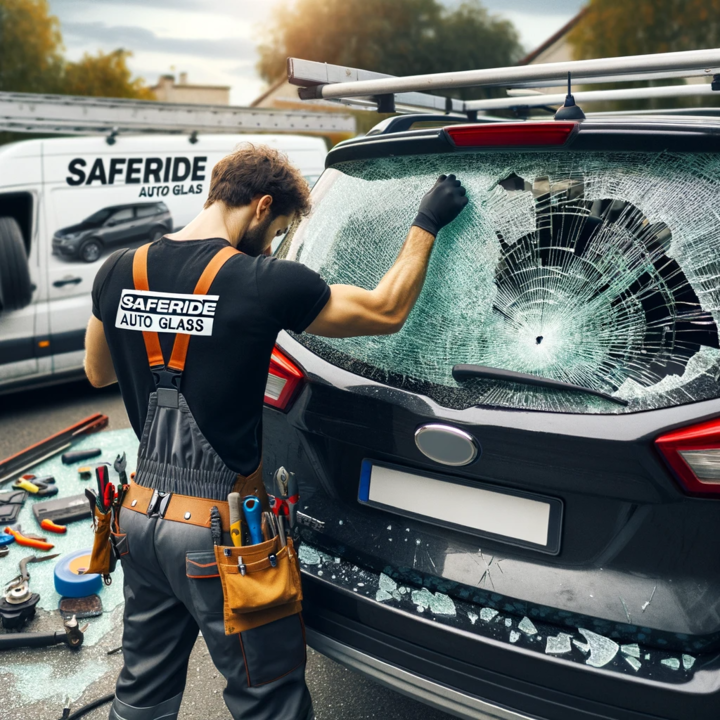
[{"x": 570, "y": 111}]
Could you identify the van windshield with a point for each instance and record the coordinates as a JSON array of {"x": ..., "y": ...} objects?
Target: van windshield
[{"x": 598, "y": 270}]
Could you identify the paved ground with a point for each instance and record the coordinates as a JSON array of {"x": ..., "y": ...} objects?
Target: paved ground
[{"x": 338, "y": 694}]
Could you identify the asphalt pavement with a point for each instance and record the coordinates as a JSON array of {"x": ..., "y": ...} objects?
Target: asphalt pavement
[{"x": 338, "y": 693}]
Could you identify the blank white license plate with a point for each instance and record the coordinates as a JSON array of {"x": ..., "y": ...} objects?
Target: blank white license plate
[{"x": 521, "y": 518}]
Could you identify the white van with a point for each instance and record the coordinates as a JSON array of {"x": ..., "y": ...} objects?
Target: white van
[{"x": 67, "y": 203}]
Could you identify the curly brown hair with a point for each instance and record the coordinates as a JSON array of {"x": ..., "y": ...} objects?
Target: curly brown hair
[{"x": 254, "y": 170}]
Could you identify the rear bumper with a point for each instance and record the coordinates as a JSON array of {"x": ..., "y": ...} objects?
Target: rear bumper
[
  {"x": 472, "y": 676},
  {"x": 419, "y": 688}
]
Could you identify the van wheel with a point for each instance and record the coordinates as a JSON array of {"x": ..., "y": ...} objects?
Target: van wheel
[
  {"x": 15, "y": 286},
  {"x": 91, "y": 250}
]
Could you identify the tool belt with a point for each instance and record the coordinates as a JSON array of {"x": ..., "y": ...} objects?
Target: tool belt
[
  {"x": 188, "y": 509},
  {"x": 260, "y": 583}
]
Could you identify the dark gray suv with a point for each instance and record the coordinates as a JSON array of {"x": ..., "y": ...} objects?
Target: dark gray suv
[
  {"x": 112, "y": 227},
  {"x": 510, "y": 508}
]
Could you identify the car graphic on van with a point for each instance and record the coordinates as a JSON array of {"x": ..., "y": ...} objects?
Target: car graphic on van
[{"x": 114, "y": 226}]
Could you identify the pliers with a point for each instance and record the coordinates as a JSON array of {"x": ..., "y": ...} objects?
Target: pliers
[
  {"x": 119, "y": 466},
  {"x": 106, "y": 490},
  {"x": 286, "y": 501}
]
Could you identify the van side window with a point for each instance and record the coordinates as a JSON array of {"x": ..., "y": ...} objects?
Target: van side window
[
  {"x": 122, "y": 216},
  {"x": 142, "y": 211}
]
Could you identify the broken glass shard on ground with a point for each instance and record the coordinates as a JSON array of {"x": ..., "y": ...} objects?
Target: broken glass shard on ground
[
  {"x": 487, "y": 614},
  {"x": 472, "y": 617},
  {"x": 558, "y": 645},
  {"x": 688, "y": 661},
  {"x": 672, "y": 663},
  {"x": 438, "y": 603},
  {"x": 387, "y": 583},
  {"x": 308, "y": 555},
  {"x": 632, "y": 650},
  {"x": 442, "y": 605},
  {"x": 597, "y": 269},
  {"x": 527, "y": 626},
  {"x": 422, "y": 597},
  {"x": 634, "y": 663},
  {"x": 602, "y": 649},
  {"x": 514, "y": 636}
]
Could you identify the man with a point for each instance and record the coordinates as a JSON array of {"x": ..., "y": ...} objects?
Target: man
[{"x": 198, "y": 416}]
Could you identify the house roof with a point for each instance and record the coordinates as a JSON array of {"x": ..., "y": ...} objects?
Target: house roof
[
  {"x": 564, "y": 30},
  {"x": 280, "y": 81}
]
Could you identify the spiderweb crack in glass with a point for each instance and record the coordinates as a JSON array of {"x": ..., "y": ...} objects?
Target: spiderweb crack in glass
[{"x": 599, "y": 270}]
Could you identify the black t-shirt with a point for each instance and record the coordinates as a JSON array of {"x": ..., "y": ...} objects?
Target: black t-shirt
[{"x": 225, "y": 373}]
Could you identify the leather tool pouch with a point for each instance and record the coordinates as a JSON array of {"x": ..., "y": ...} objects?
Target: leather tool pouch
[
  {"x": 102, "y": 560},
  {"x": 261, "y": 583}
]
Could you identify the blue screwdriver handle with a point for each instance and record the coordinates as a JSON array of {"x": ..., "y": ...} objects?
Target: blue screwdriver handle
[{"x": 253, "y": 517}]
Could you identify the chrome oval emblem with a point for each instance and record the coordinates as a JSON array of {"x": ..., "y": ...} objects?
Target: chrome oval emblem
[{"x": 447, "y": 445}]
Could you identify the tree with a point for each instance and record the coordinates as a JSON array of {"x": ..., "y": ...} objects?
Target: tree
[
  {"x": 31, "y": 58},
  {"x": 30, "y": 47},
  {"x": 104, "y": 75},
  {"x": 614, "y": 28},
  {"x": 402, "y": 37}
]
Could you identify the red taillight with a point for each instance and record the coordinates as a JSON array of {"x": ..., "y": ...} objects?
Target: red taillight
[
  {"x": 508, "y": 134},
  {"x": 694, "y": 454},
  {"x": 283, "y": 382}
]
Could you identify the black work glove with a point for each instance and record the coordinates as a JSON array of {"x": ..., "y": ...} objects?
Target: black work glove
[{"x": 441, "y": 205}]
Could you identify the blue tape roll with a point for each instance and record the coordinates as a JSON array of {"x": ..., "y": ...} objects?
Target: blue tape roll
[{"x": 69, "y": 583}]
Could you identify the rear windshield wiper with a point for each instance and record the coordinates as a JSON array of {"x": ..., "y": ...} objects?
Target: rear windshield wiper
[{"x": 469, "y": 372}]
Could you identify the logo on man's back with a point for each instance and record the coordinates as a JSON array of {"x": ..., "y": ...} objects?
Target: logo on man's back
[{"x": 149, "y": 311}]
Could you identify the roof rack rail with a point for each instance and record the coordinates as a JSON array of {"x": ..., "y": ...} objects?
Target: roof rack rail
[
  {"x": 76, "y": 115},
  {"x": 688, "y": 111},
  {"x": 310, "y": 73},
  {"x": 363, "y": 88},
  {"x": 589, "y": 96}
]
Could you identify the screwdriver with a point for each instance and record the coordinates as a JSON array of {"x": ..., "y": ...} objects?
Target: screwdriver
[
  {"x": 253, "y": 518},
  {"x": 235, "y": 519}
]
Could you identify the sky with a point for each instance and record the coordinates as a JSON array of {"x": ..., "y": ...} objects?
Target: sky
[{"x": 215, "y": 41}]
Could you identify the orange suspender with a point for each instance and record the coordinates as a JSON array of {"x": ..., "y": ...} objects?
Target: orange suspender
[
  {"x": 182, "y": 340},
  {"x": 140, "y": 278}
]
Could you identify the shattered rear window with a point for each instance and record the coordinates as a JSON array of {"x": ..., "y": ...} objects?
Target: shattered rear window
[{"x": 596, "y": 269}]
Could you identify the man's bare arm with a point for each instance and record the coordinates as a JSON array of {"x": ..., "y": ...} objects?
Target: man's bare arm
[
  {"x": 353, "y": 311},
  {"x": 98, "y": 363}
]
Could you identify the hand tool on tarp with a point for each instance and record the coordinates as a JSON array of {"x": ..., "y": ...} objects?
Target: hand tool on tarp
[
  {"x": 28, "y": 540},
  {"x": 64, "y": 510},
  {"x": 19, "y": 463},
  {"x": 17, "y": 604},
  {"x": 75, "y": 456},
  {"x": 50, "y": 526},
  {"x": 40, "y": 487},
  {"x": 71, "y": 634},
  {"x": 10, "y": 505}
]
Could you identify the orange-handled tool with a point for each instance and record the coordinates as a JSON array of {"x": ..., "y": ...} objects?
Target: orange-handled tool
[
  {"x": 48, "y": 524},
  {"x": 20, "y": 539}
]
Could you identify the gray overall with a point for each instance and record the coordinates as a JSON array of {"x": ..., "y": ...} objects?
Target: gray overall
[{"x": 165, "y": 604}]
